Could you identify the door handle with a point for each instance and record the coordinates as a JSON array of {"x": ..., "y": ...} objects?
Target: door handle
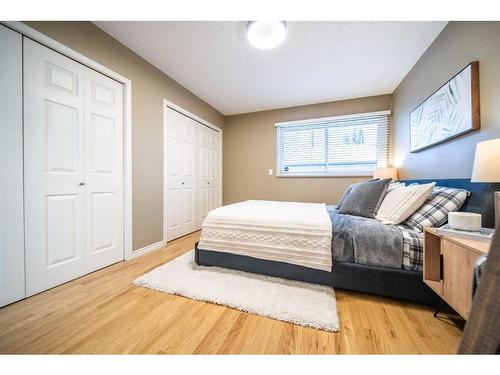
[
  {"x": 81, "y": 183},
  {"x": 183, "y": 183}
]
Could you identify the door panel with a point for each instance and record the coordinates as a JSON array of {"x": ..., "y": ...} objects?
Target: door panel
[
  {"x": 188, "y": 206},
  {"x": 208, "y": 167},
  {"x": 103, "y": 223},
  {"x": 181, "y": 172},
  {"x": 214, "y": 169},
  {"x": 60, "y": 78},
  {"x": 102, "y": 144},
  {"x": 53, "y": 167},
  {"x": 62, "y": 134},
  {"x": 174, "y": 205},
  {"x": 62, "y": 229},
  {"x": 103, "y": 115},
  {"x": 12, "y": 286}
]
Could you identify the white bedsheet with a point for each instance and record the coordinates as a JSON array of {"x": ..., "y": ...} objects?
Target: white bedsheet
[{"x": 290, "y": 232}]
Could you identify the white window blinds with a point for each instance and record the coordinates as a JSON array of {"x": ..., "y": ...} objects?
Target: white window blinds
[{"x": 350, "y": 145}]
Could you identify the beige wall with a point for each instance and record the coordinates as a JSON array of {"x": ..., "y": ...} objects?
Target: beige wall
[
  {"x": 250, "y": 151},
  {"x": 149, "y": 87},
  {"x": 249, "y": 139},
  {"x": 458, "y": 44}
]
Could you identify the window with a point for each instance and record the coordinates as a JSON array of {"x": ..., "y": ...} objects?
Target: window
[{"x": 350, "y": 145}]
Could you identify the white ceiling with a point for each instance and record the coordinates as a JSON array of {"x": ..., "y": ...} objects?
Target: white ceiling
[{"x": 318, "y": 62}]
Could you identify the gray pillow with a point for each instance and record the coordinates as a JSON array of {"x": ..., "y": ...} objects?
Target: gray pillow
[
  {"x": 348, "y": 190},
  {"x": 344, "y": 196},
  {"x": 364, "y": 199}
]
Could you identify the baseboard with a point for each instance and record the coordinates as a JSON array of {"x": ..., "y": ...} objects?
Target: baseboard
[{"x": 148, "y": 249}]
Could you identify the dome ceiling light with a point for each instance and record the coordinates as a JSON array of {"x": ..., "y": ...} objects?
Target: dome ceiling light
[{"x": 266, "y": 34}]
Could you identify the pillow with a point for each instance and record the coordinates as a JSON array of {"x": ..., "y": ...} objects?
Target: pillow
[
  {"x": 364, "y": 198},
  {"x": 395, "y": 185},
  {"x": 400, "y": 203},
  {"x": 434, "y": 212},
  {"x": 344, "y": 196},
  {"x": 347, "y": 191}
]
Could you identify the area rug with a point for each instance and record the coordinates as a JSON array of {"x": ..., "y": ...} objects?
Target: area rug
[{"x": 296, "y": 302}]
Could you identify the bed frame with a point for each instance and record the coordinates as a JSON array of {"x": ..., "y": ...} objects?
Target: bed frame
[{"x": 390, "y": 282}]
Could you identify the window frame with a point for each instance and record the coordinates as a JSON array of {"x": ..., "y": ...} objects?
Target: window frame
[{"x": 322, "y": 120}]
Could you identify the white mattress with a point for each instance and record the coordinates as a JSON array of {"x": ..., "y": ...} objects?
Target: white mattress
[{"x": 290, "y": 232}]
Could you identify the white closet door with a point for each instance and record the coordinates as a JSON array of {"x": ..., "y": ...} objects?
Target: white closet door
[
  {"x": 181, "y": 164},
  {"x": 11, "y": 168},
  {"x": 103, "y": 116},
  {"x": 73, "y": 163},
  {"x": 53, "y": 167},
  {"x": 208, "y": 171}
]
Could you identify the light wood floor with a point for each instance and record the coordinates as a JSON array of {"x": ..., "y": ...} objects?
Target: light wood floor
[{"x": 104, "y": 313}]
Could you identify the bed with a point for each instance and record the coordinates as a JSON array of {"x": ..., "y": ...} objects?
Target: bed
[{"x": 313, "y": 253}]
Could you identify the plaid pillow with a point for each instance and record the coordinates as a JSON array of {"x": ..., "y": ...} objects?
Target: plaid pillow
[{"x": 434, "y": 212}]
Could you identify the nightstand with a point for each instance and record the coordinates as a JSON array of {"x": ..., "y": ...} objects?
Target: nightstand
[{"x": 449, "y": 267}]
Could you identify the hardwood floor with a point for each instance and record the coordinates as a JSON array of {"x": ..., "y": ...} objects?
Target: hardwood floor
[{"x": 104, "y": 313}]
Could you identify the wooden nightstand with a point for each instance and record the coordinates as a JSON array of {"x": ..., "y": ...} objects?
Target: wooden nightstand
[{"x": 449, "y": 267}]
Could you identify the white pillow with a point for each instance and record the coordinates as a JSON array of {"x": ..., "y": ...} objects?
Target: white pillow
[
  {"x": 395, "y": 185},
  {"x": 402, "y": 202}
]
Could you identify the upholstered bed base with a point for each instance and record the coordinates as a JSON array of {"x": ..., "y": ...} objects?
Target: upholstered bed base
[
  {"x": 390, "y": 282},
  {"x": 367, "y": 279}
]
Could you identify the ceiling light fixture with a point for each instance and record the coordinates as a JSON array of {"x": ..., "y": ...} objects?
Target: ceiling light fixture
[{"x": 266, "y": 34}]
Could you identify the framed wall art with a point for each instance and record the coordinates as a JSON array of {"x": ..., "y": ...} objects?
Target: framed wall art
[{"x": 451, "y": 111}]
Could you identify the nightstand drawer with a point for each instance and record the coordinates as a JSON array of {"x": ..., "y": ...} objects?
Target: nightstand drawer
[{"x": 458, "y": 268}]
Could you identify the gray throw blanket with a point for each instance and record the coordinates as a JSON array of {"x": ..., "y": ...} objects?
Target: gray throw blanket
[{"x": 365, "y": 241}]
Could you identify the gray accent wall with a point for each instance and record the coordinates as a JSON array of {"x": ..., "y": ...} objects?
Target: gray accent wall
[{"x": 458, "y": 44}]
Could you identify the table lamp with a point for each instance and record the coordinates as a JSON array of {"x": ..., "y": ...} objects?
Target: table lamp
[
  {"x": 487, "y": 167},
  {"x": 386, "y": 172}
]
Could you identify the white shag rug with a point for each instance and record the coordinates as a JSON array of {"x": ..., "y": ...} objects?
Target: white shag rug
[{"x": 296, "y": 302}]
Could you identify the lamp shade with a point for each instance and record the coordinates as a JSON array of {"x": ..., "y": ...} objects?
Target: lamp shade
[
  {"x": 387, "y": 172},
  {"x": 487, "y": 162}
]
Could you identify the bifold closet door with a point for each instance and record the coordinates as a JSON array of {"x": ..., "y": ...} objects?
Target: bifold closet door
[
  {"x": 11, "y": 168},
  {"x": 181, "y": 177},
  {"x": 103, "y": 116},
  {"x": 53, "y": 167},
  {"x": 72, "y": 169},
  {"x": 208, "y": 171}
]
